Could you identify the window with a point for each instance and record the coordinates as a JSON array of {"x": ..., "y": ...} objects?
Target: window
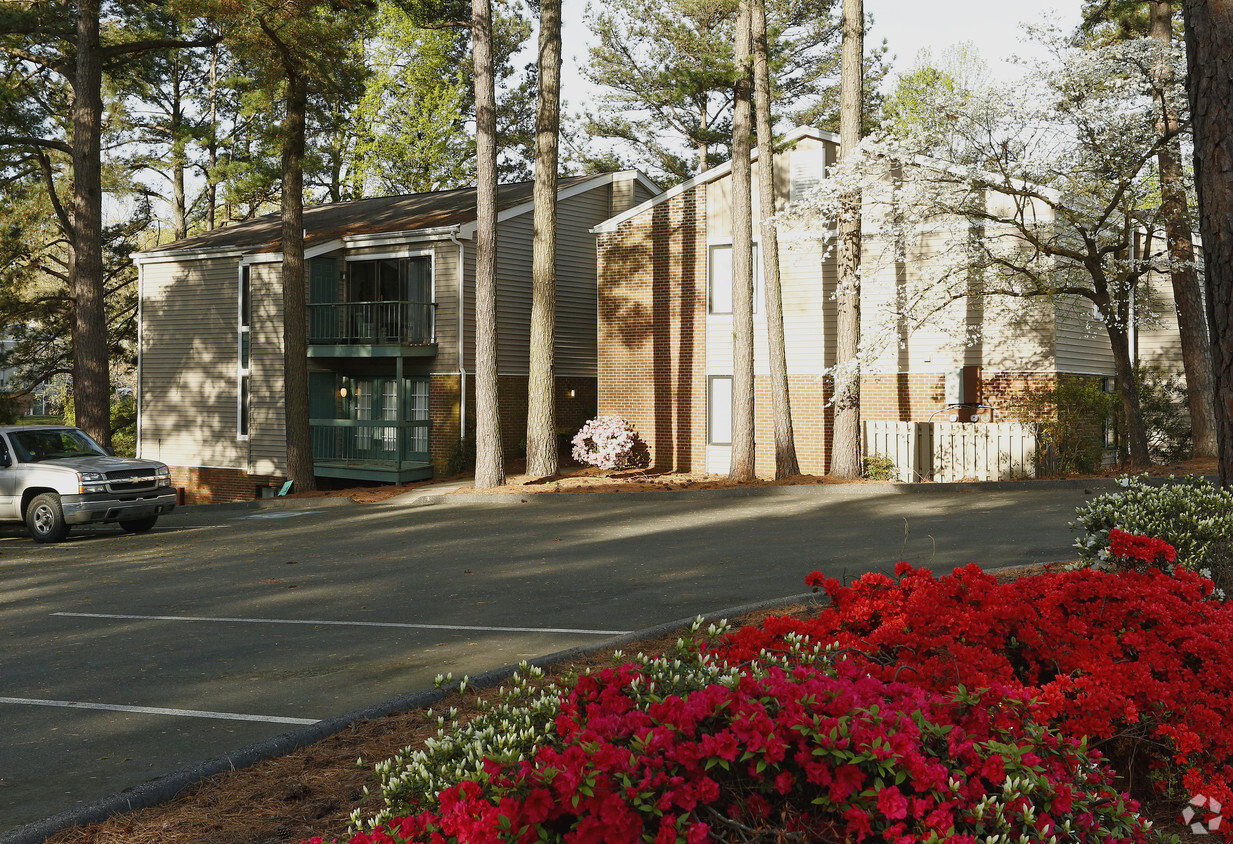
[
  {"x": 244, "y": 352},
  {"x": 719, "y": 410},
  {"x": 719, "y": 274},
  {"x": 418, "y": 411},
  {"x": 390, "y": 280},
  {"x": 389, "y": 300}
]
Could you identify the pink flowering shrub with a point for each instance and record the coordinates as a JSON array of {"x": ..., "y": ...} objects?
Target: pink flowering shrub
[
  {"x": 610, "y": 442},
  {"x": 802, "y": 752},
  {"x": 1138, "y": 662}
]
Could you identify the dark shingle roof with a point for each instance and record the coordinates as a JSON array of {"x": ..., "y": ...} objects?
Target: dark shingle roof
[{"x": 323, "y": 223}]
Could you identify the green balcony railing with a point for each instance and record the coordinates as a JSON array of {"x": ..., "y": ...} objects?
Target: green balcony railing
[
  {"x": 373, "y": 323},
  {"x": 351, "y": 442}
]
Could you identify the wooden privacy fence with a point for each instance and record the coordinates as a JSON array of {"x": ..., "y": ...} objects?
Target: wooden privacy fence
[{"x": 954, "y": 451}]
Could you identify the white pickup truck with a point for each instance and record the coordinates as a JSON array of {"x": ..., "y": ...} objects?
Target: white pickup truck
[{"x": 53, "y": 477}]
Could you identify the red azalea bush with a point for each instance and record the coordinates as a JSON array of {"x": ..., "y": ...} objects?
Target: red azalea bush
[
  {"x": 1141, "y": 662},
  {"x": 801, "y": 753},
  {"x": 1128, "y": 551}
]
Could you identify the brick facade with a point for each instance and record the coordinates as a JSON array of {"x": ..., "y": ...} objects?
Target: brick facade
[
  {"x": 652, "y": 328},
  {"x": 813, "y": 424},
  {"x": 204, "y": 485},
  {"x": 921, "y": 396}
]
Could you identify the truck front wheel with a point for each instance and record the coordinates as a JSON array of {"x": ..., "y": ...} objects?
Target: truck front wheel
[{"x": 45, "y": 518}]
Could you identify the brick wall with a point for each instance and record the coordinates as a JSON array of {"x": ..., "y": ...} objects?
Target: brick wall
[
  {"x": 652, "y": 328},
  {"x": 813, "y": 424},
  {"x": 204, "y": 485},
  {"x": 922, "y": 395}
]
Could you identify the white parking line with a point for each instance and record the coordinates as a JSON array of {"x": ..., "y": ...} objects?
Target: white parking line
[
  {"x": 156, "y": 710},
  {"x": 343, "y": 623}
]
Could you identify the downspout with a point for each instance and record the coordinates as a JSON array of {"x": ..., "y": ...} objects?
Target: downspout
[
  {"x": 1132, "y": 328},
  {"x": 462, "y": 368},
  {"x": 141, "y": 275}
]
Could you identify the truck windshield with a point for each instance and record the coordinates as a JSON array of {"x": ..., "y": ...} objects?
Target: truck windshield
[{"x": 33, "y": 446}]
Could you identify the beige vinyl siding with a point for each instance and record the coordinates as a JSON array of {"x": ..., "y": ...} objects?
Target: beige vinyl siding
[
  {"x": 1019, "y": 334},
  {"x": 641, "y": 192},
  {"x": 809, "y": 318},
  {"x": 576, "y": 287},
  {"x": 1082, "y": 342},
  {"x": 267, "y": 432},
  {"x": 807, "y": 287},
  {"x": 189, "y": 363},
  {"x": 445, "y": 285},
  {"x": 576, "y": 328},
  {"x": 514, "y": 294},
  {"x": 1159, "y": 342}
]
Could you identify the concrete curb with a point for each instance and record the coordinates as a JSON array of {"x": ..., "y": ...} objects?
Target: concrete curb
[
  {"x": 270, "y": 504},
  {"x": 865, "y": 490},
  {"x": 167, "y": 786}
]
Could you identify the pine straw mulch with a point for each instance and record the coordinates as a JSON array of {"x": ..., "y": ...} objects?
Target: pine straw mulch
[{"x": 589, "y": 479}]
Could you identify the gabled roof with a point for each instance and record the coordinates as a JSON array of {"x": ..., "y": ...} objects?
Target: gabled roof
[
  {"x": 791, "y": 139},
  {"x": 438, "y": 212}
]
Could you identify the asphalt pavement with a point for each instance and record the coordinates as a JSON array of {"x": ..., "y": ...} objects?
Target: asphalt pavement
[{"x": 126, "y": 657}]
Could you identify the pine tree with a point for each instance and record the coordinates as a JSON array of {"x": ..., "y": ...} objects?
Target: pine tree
[
  {"x": 781, "y": 405},
  {"x": 1209, "y": 52},
  {"x": 846, "y": 447},
  {"x": 742, "y": 465},
  {"x": 542, "y": 457}
]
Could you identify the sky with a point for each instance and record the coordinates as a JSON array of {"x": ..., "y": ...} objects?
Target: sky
[{"x": 907, "y": 26}]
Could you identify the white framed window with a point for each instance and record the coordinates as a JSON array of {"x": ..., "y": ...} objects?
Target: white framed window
[
  {"x": 244, "y": 353},
  {"x": 719, "y": 278},
  {"x": 719, "y": 410}
]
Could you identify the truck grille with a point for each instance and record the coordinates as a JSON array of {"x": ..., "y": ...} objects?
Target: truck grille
[{"x": 132, "y": 480}]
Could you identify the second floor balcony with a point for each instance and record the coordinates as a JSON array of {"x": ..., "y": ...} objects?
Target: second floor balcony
[{"x": 390, "y": 327}]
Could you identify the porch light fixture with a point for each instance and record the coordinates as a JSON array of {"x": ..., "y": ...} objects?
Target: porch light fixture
[
  {"x": 342, "y": 392},
  {"x": 572, "y": 393}
]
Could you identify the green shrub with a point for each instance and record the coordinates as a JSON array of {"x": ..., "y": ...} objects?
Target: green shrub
[
  {"x": 1069, "y": 419},
  {"x": 879, "y": 467},
  {"x": 1191, "y": 514},
  {"x": 1166, "y": 413},
  {"x": 462, "y": 458}
]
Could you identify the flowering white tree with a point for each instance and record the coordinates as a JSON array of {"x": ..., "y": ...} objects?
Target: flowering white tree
[{"x": 1049, "y": 193}]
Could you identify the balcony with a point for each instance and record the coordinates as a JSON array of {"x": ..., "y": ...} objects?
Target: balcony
[
  {"x": 391, "y": 452},
  {"x": 372, "y": 329}
]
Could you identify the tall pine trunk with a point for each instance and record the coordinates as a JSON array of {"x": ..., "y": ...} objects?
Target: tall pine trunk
[
  {"x": 781, "y": 405},
  {"x": 846, "y": 448},
  {"x": 91, "y": 365},
  {"x": 295, "y": 307},
  {"x": 489, "y": 462},
  {"x": 542, "y": 457},
  {"x": 1209, "y": 54},
  {"x": 1187, "y": 289},
  {"x": 742, "y": 464}
]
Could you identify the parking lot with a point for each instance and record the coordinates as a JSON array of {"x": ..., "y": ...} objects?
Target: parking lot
[{"x": 129, "y": 656}]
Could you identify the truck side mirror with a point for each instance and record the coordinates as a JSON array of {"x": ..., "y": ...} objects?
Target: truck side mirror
[{"x": 5, "y": 462}]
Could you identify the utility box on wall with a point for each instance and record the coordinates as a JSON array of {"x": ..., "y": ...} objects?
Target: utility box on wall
[{"x": 963, "y": 386}]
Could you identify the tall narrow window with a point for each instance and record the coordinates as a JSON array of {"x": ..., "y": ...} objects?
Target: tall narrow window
[
  {"x": 244, "y": 369},
  {"x": 719, "y": 274},
  {"x": 719, "y": 410}
]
